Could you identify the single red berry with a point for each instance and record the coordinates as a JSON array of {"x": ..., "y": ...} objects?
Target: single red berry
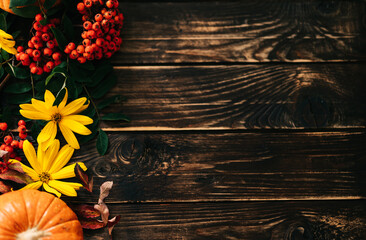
[
  {"x": 45, "y": 37},
  {"x": 50, "y": 65},
  {"x": 9, "y": 149},
  {"x": 39, "y": 17},
  {"x": 98, "y": 17},
  {"x": 88, "y": 3},
  {"x": 47, "y": 52},
  {"x": 107, "y": 54},
  {"x": 29, "y": 51},
  {"x": 26, "y": 62},
  {"x": 101, "y": 2},
  {"x": 21, "y": 122},
  {"x": 67, "y": 50},
  {"x": 20, "y": 146},
  {"x": 116, "y": 4},
  {"x": 8, "y": 139},
  {"x": 80, "y": 7},
  {"x": 23, "y": 135},
  {"x": 17, "y": 56},
  {"x": 24, "y": 57},
  {"x": 36, "y": 53},
  {"x": 3, "y": 126},
  {"x": 99, "y": 55},
  {"x": 38, "y": 46},
  {"x": 35, "y": 40},
  {"x": 96, "y": 26},
  {"x": 2, "y": 147},
  {"x": 57, "y": 62},
  {"x": 81, "y": 59},
  {"x": 37, "y": 26},
  {"x": 71, "y": 46},
  {"x": 45, "y": 28},
  {"x": 51, "y": 44},
  {"x": 108, "y": 15},
  {"x": 14, "y": 144},
  {"x": 22, "y": 129},
  {"x": 56, "y": 56},
  {"x": 39, "y": 72},
  {"x": 20, "y": 49},
  {"x": 89, "y": 49},
  {"x": 104, "y": 10},
  {"x": 12, "y": 155},
  {"x": 18, "y": 158},
  {"x": 33, "y": 70},
  {"x": 105, "y": 23},
  {"x": 91, "y": 34},
  {"x": 86, "y": 42},
  {"x": 74, "y": 54},
  {"x": 30, "y": 44},
  {"x": 109, "y": 4},
  {"x": 80, "y": 49},
  {"x": 39, "y": 33},
  {"x": 87, "y": 25},
  {"x": 46, "y": 69}
]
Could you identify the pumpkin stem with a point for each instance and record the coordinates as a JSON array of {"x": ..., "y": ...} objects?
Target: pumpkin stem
[{"x": 32, "y": 234}]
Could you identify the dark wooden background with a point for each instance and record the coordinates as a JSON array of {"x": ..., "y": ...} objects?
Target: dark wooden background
[{"x": 248, "y": 122}]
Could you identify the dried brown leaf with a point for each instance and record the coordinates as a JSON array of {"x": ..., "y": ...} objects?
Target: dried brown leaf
[{"x": 85, "y": 179}]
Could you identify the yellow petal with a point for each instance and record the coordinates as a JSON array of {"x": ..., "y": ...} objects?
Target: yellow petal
[
  {"x": 68, "y": 171},
  {"x": 31, "y": 156},
  {"x": 27, "y": 170},
  {"x": 82, "y": 108},
  {"x": 9, "y": 49},
  {"x": 62, "y": 187},
  {"x": 49, "y": 98},
  {"x": 27, "y": 106},
  {"x": 51, "y": 190},
  {"x": 69, "y": 136},
  {"x": 75, "y": 126},
  {"x": 48, "y": 132},
  {"x": 79, "y": 118},
  {"x": 75, "y": 186},
  {"x": 35, "y": 115},
  {"x": 34, "y": 185},
  {"x": 62, "y": 159},
  {"x": 50, "y": 155},
  {"x": 73, "y": 107},
  {"x": 64, "y": 100},
  {"x": 5, "y": 35},
  {"x": 40, "y": 106}
]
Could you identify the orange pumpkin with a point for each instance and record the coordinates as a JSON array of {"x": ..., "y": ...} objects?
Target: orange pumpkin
[
  {"x": 4, "y": 4},
  {"x": 31, "y": 214}
]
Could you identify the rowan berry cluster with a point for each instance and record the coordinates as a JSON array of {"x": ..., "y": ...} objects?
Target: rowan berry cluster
[
  {"x": 11, "y": 143},
  {"x": 42, "y": 54},
  {"x": 102, "y": 23}
]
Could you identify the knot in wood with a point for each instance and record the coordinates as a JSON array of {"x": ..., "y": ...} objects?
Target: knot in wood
[
  {"x": 298, "y": 231},
  {"x": 328, "y": 8}
]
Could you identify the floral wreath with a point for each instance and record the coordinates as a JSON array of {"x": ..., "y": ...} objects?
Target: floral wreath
[{"x": 54, "y": 81}]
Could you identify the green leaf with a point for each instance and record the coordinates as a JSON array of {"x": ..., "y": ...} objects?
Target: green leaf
[
  {"x": 4, "y": 54},
  {"x": 101, "y": 72},
  {"x": 71, "y": 87},
  {"x": 115, "y": 117},
  {"x": 18, "y": 72},
  {"x": 57, "y": 70},
  {"x": 108, "y": 101},
  {"x": 20, "y": 98},
  {"x": 18, "y": 87},
  {"x": 102, "y": 142},
  {"x": 68, "y": 27},
  {"x": 27, "y": 12},
  {"x": 60, "y": 38},
  {"x": 78, "y": 74},
  {"x": 100, "y": 90},
  {"x": 43, "y": 22},
  {"x": 3, "y": 24},
  {"x": 48, "y": 4},
  {"x": 19, "y": 3}
]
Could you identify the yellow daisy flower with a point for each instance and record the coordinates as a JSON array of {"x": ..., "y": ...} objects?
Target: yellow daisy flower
[
  {"x": 7, "y": 42},
  {"x": 48, "y": 168},
  {"x": 65, "y": 116}
]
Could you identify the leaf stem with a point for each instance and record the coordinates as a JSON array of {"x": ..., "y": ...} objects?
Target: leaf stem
[{"x": 2, "y": 84}]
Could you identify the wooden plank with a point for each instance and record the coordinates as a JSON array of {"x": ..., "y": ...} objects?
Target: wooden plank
[
  {"x": 326, "y": 220},
  {"x": 242, "y": 31},
  {"x": 241, "y": 97},
  {"x": 226, "y": 166}
]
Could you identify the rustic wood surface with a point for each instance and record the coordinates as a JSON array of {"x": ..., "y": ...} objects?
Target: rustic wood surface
[{"x": 247, "y": 122}]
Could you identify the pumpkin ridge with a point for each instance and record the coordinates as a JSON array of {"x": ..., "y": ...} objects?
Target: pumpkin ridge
[
  {"x": 25, "y": 207},
  {"x": 7, "y": 215},
  {"x": 45, "y": 214},
  {"x": 70, "y": 222}
]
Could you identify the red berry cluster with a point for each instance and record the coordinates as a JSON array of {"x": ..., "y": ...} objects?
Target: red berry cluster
[
  {"x": 102, "y": 23},
  {"x": 42, "y": 54},
  {"x": 10, "y": 143}
]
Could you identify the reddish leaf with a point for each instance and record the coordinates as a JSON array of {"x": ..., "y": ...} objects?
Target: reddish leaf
[
  {"x": 84, "y": 178},
  {"x": 4, "y": 188},
  {"x": 16, "y": 167},
  {"x": 85, "y": 211},
  {"x": 91, "y": 223},
  {"x": 111, "y": 224},
  {"x": 15, "y": 176}
]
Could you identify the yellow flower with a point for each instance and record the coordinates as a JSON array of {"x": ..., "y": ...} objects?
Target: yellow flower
[
  {"x": 64, "y": 116},
  {"x": 48, "y": 168},
  {"x": 7, "y": 42}
]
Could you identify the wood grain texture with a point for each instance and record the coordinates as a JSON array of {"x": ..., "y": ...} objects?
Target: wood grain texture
[
  {"x": 195, "y": 167},
  {"x": 310, "y": 220},
  {"x": 241, "y": 97},
  {"x": 242, "y": 31}
]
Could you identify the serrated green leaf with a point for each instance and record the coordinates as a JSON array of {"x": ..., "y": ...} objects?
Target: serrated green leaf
[
  {"x": 102, "y": 142},
  {"x": 3, "y": 24},
  {"x": 115, "y": 117},
  {"x": 101, "y": 89},
  {"x": 27, "y": 12},
  {"x": 18, "y": 87},
  {"x": 108, "y": 101},
  {"x": 60, "y": 38}
]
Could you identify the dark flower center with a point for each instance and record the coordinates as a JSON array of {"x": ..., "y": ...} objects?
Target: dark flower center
[
  {"x": 56, "y": 117},
  {"x": 44, "y": 177}
]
